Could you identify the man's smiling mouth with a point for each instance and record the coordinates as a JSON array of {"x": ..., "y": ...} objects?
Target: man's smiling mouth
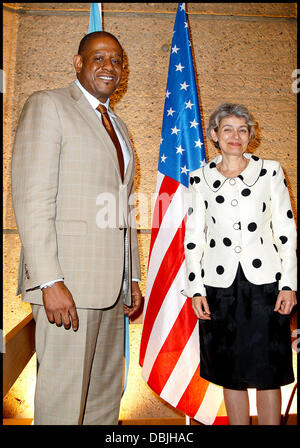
[{"x": 105, "y": 77}]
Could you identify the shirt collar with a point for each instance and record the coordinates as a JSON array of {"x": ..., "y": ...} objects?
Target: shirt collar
[
  {"x": 249, "y": 176},
  {"x": 94, "y": 102}
]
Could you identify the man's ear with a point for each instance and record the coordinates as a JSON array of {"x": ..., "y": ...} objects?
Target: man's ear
[{"x": 77, "y": 61}]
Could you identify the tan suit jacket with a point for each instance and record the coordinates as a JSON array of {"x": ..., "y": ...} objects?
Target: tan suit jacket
[{"x": 63, "y": 162}]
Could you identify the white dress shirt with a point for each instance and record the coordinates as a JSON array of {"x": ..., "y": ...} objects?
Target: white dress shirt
[{"x": 94, "y": 102}]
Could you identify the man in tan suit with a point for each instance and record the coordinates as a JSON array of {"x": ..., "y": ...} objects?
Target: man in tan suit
[{"x": 75, "y": 266}]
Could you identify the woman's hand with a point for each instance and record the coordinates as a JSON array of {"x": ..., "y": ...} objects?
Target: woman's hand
[
  {"x": 201, "y": 308},
  {"x": 285, "y": 302}
]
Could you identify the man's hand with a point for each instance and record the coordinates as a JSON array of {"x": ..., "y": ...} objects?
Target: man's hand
[
  {"x": 60, "y": 306},
  {"x": 136, "y": 296}
]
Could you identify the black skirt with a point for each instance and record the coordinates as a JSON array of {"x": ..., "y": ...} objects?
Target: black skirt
[{"x": 245, "y": 344}]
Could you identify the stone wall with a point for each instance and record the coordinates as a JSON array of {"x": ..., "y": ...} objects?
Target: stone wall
[{"x": 243, "y": 52}]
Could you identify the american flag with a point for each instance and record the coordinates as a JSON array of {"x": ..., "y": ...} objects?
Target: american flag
[{"x": 169, "y": 351}]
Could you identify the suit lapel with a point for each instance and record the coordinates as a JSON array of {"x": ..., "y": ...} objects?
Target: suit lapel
[{"x": 90, "y": 117}]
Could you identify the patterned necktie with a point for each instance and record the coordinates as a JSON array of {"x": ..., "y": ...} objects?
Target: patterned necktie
[{"x": 110, "y": 129}]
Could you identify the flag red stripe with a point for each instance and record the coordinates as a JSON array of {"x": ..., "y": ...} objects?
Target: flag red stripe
[
  {"x": 194, "y": 394},
  {"x": 221, "y": 420},
  {"x": 167, "y": 189},
  {"x": 172, "y": 347},
  {"x": 164, "y": 279}
]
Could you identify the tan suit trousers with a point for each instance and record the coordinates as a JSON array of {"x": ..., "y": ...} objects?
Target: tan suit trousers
[{"x": 79, "y": 380}]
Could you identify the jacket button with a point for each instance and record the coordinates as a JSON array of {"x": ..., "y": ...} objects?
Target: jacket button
[
  {"x": 234, "y": 202},
  {"x": 232, "y": 181},
  {"x": 236, "y": 226},
  {"x": 237, "y": 249}
]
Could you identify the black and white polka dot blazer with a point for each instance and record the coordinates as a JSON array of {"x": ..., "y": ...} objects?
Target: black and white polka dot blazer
[{"x": 246, "y": 219}]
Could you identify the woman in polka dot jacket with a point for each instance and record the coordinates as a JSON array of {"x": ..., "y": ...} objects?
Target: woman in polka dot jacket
[{"x": 240, "y": 251}]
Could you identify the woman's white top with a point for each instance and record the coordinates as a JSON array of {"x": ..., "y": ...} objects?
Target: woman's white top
[{"x": 247, "y": 219}]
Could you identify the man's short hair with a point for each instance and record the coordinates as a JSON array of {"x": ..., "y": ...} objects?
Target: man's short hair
[{"x": 88, "y": 37}]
